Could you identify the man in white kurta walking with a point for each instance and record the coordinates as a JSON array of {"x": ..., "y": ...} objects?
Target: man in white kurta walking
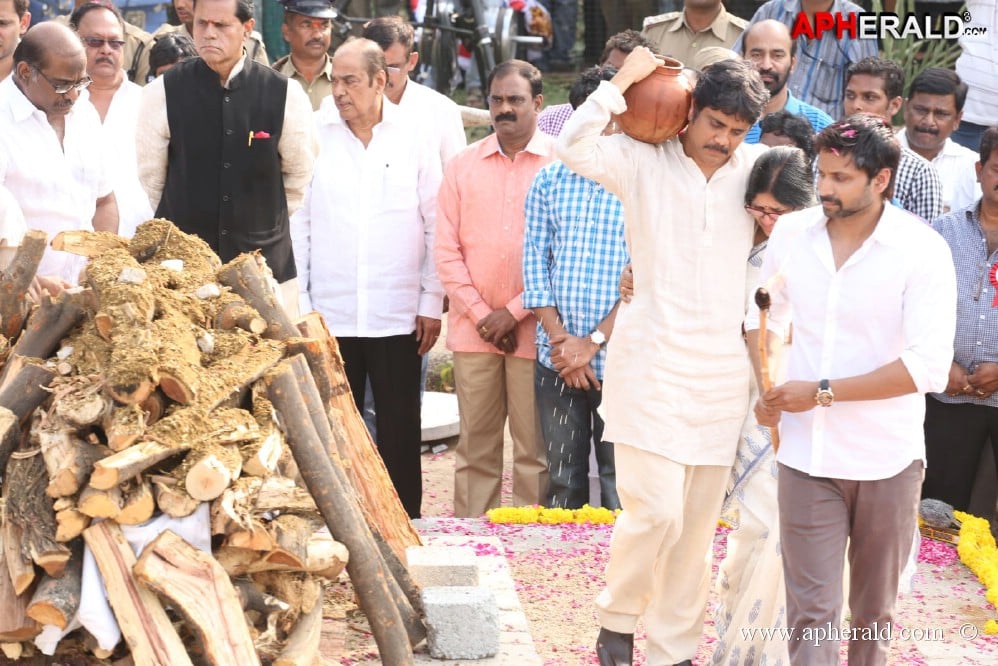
[{"x": 676, "y": 373}]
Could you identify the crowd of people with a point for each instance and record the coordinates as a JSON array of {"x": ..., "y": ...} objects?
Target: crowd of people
[{"x": 603, "y": 292}]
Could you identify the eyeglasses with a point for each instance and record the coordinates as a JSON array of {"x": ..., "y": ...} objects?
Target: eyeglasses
[
  {"x": 765, "y": 212},
  {"x": 97, "y": 42},
  {"x": 63, "y": 88}
]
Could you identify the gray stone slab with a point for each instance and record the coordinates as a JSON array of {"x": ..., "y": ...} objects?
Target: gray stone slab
[
  {"x": 442, "y": 566},
  {"x": 461, "y": 622},
  {"x": 440, "y": 417}
]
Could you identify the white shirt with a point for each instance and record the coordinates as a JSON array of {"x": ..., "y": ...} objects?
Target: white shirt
[
  {"x": 677, "y": 375},
  {"x": 12, "y": 226},
  {"x": 955, "y": 165},
  {"x": 296, "y": 146},
  {"x": 978, "y": 64},
  {"x": 895, "y": 297},
  {"x": 57, "y": 186},
  {"x": 436, "y": 115},
  {"x": 119, "y": 136},
  {"x": 363, "y": 238}
]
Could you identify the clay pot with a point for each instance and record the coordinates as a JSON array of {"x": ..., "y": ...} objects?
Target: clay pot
[{"x": 658, "y": 105}]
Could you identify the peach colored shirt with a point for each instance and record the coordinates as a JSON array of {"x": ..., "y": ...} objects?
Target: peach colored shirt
[{"x": 479, "y": 245}]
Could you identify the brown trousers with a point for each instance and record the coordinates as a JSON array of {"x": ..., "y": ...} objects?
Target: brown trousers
[
  {"x": 491, "y": 387},
  {"x": 817, "y": 517}
]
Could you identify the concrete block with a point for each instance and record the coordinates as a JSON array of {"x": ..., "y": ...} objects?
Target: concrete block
[
  {"x": 443, "y": 566},
  {"x": 461, "y": 622}
]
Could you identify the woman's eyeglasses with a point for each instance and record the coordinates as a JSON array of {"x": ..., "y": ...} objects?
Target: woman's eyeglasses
[{"x": 766, "y": 212}]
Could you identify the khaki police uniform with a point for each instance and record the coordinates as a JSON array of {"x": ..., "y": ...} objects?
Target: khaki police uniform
[{"x": 673, "y": 37}]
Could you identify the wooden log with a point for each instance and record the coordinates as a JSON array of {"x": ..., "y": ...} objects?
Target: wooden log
[
  {"x": 171, "y": 499},
  {"x": 147, "y": 629},
  {"x": 100, "y": 503},
  {"x": 158, "y": 239},
  {"x": 291, "y": 533},
  {"x": 56, "y": 600},
  {"x": 88, "y": 243},
  {"x": 179, "y": 359},
  {"x": 236, "y": 314},
  {"x": 15, "y": 625},
  {"x": 339, "y": 509},
  {"x": 123, "y": 306},
  {"x": 229, "y": 379},
  {"x": 46, "y": 326},
  {"x": 366, "y": 470},
  {"x": 154, "y": 406},
  {"x": 80, "y": 403},
  {"x": 138, "y": 503},
  {"x": 12, "y": 651},
  {"x": 24, "y": 391},
  {"x": 208, "y": 471},
  {"x": 15, "y": 281},
  {"x": 244, "y": 276},
  {"x": 132, "y": 373},
  {"x": 70, "y": 523},
  {"x": 325, "y": 557},
  {"x": 28, "y": 507},
  {"x": 254, "y": 535},
  {"x": 401, "y": 573},
  {"x": 260, "y": 456},
  {"x": 123, "y": 425},
  {"x": 20, "y": 568},
  {"x": 302, "y": 646},
  {"x": 199, "y": 588},
  {"x": 68, "y": 459}
]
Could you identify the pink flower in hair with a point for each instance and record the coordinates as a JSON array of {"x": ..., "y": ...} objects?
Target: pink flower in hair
[{"x": 849, "y": 134}]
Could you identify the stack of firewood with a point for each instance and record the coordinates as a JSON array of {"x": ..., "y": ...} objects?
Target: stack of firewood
[{"x": 164, "y": 382}]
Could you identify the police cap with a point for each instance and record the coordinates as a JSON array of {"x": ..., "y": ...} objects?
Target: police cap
[{"x": 315, "y": 8}]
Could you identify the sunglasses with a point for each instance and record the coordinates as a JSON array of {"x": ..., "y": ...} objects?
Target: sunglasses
[{"x": 97, "y": 42}]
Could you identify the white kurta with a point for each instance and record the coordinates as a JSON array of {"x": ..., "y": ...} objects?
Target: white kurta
[
  {"x": 677, "y": 375},
  {"x": 56, "y": 185},
  {"x": 437, "y": 116},
  {"x": 123, "y": 171}
]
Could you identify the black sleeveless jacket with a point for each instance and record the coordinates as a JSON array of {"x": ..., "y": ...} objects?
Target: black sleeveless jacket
[{"x": 221, "y": 185}]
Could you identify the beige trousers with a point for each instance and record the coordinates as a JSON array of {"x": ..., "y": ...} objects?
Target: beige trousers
[
  {"x": 660, "y": 551},
  {"x": 491, "y": 387}
]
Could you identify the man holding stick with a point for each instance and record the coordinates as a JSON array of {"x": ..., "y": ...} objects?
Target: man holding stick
[
  {"x": 676, "y": 372},
  {"x": 852, "y": 458}
]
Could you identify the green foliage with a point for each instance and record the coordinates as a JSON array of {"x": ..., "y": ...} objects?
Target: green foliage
[{"x": 912, "y": 55}]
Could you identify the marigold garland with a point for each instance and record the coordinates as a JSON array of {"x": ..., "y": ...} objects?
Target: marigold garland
[
  {"x": 526, "y": 515},
  {"x": 977, "y": 550}
]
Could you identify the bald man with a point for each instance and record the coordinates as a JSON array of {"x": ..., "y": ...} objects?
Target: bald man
[
  {"x": 51, "y": 155},
  {"x": 773, "y": 52},
  {"x": 363, "y": 243}
]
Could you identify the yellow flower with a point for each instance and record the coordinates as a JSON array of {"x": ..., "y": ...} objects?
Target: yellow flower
[
  {"x": 524, "y": 515},
  {"x": 977, "y": 550}
]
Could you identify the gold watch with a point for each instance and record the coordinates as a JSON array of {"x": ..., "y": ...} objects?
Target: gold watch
[{"x": 824, "y": 397}]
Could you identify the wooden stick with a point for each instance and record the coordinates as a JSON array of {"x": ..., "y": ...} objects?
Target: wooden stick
[
  {"x": 46, "y": 326},
  {"x": 339, "y": 509},
  {"x": 144, "y": 623},
  {"x": 28, "y": 507},
  {"x": 763, "y": 301},
  {"x": 302, "y": 647},
  {"x": 87, "y": 243},
  {"x": 15, "y": 625},
  {"x": 199, "y": 588}
]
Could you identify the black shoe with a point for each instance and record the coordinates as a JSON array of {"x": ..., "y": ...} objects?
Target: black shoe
[
  {"x": 687, "y": 662},
  {"x": 614, "y": 649}
]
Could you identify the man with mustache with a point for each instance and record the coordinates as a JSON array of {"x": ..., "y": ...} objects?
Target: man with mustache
[
  {"x": 931, "y": 114},
  {"x": 14, "y": 21},
  {"x": 308, "y": 29},
  {"x": 252, "y": 41},
  {"x": 960, "y": 420},
  {"x": 363, "y": 244},
  {"x": 52, "y": 153},
  {"x": 852, "y": 449},
  {"x": 676, "y": 375},
  {"x": 769, "y": 47},
  {"x": 116, "y": 99},
  {"x": 701, "y": 24},
  {"x": 479, "y": 256},
  {"x": 226, "y": 145}
]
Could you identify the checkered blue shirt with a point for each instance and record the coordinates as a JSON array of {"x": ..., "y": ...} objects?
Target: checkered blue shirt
[
  {"x": 552, "y": 118},
  {"x": 573, "y": 253},
  {"x": 976, "y": 339},
  {"x": 917, "y": 187},
  {"x": 819, "y": 78}
]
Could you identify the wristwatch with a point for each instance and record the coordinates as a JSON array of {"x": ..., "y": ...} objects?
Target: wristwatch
[
  {"x": 824, "y": 397},
  {"x": 597, "y": 338}
]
